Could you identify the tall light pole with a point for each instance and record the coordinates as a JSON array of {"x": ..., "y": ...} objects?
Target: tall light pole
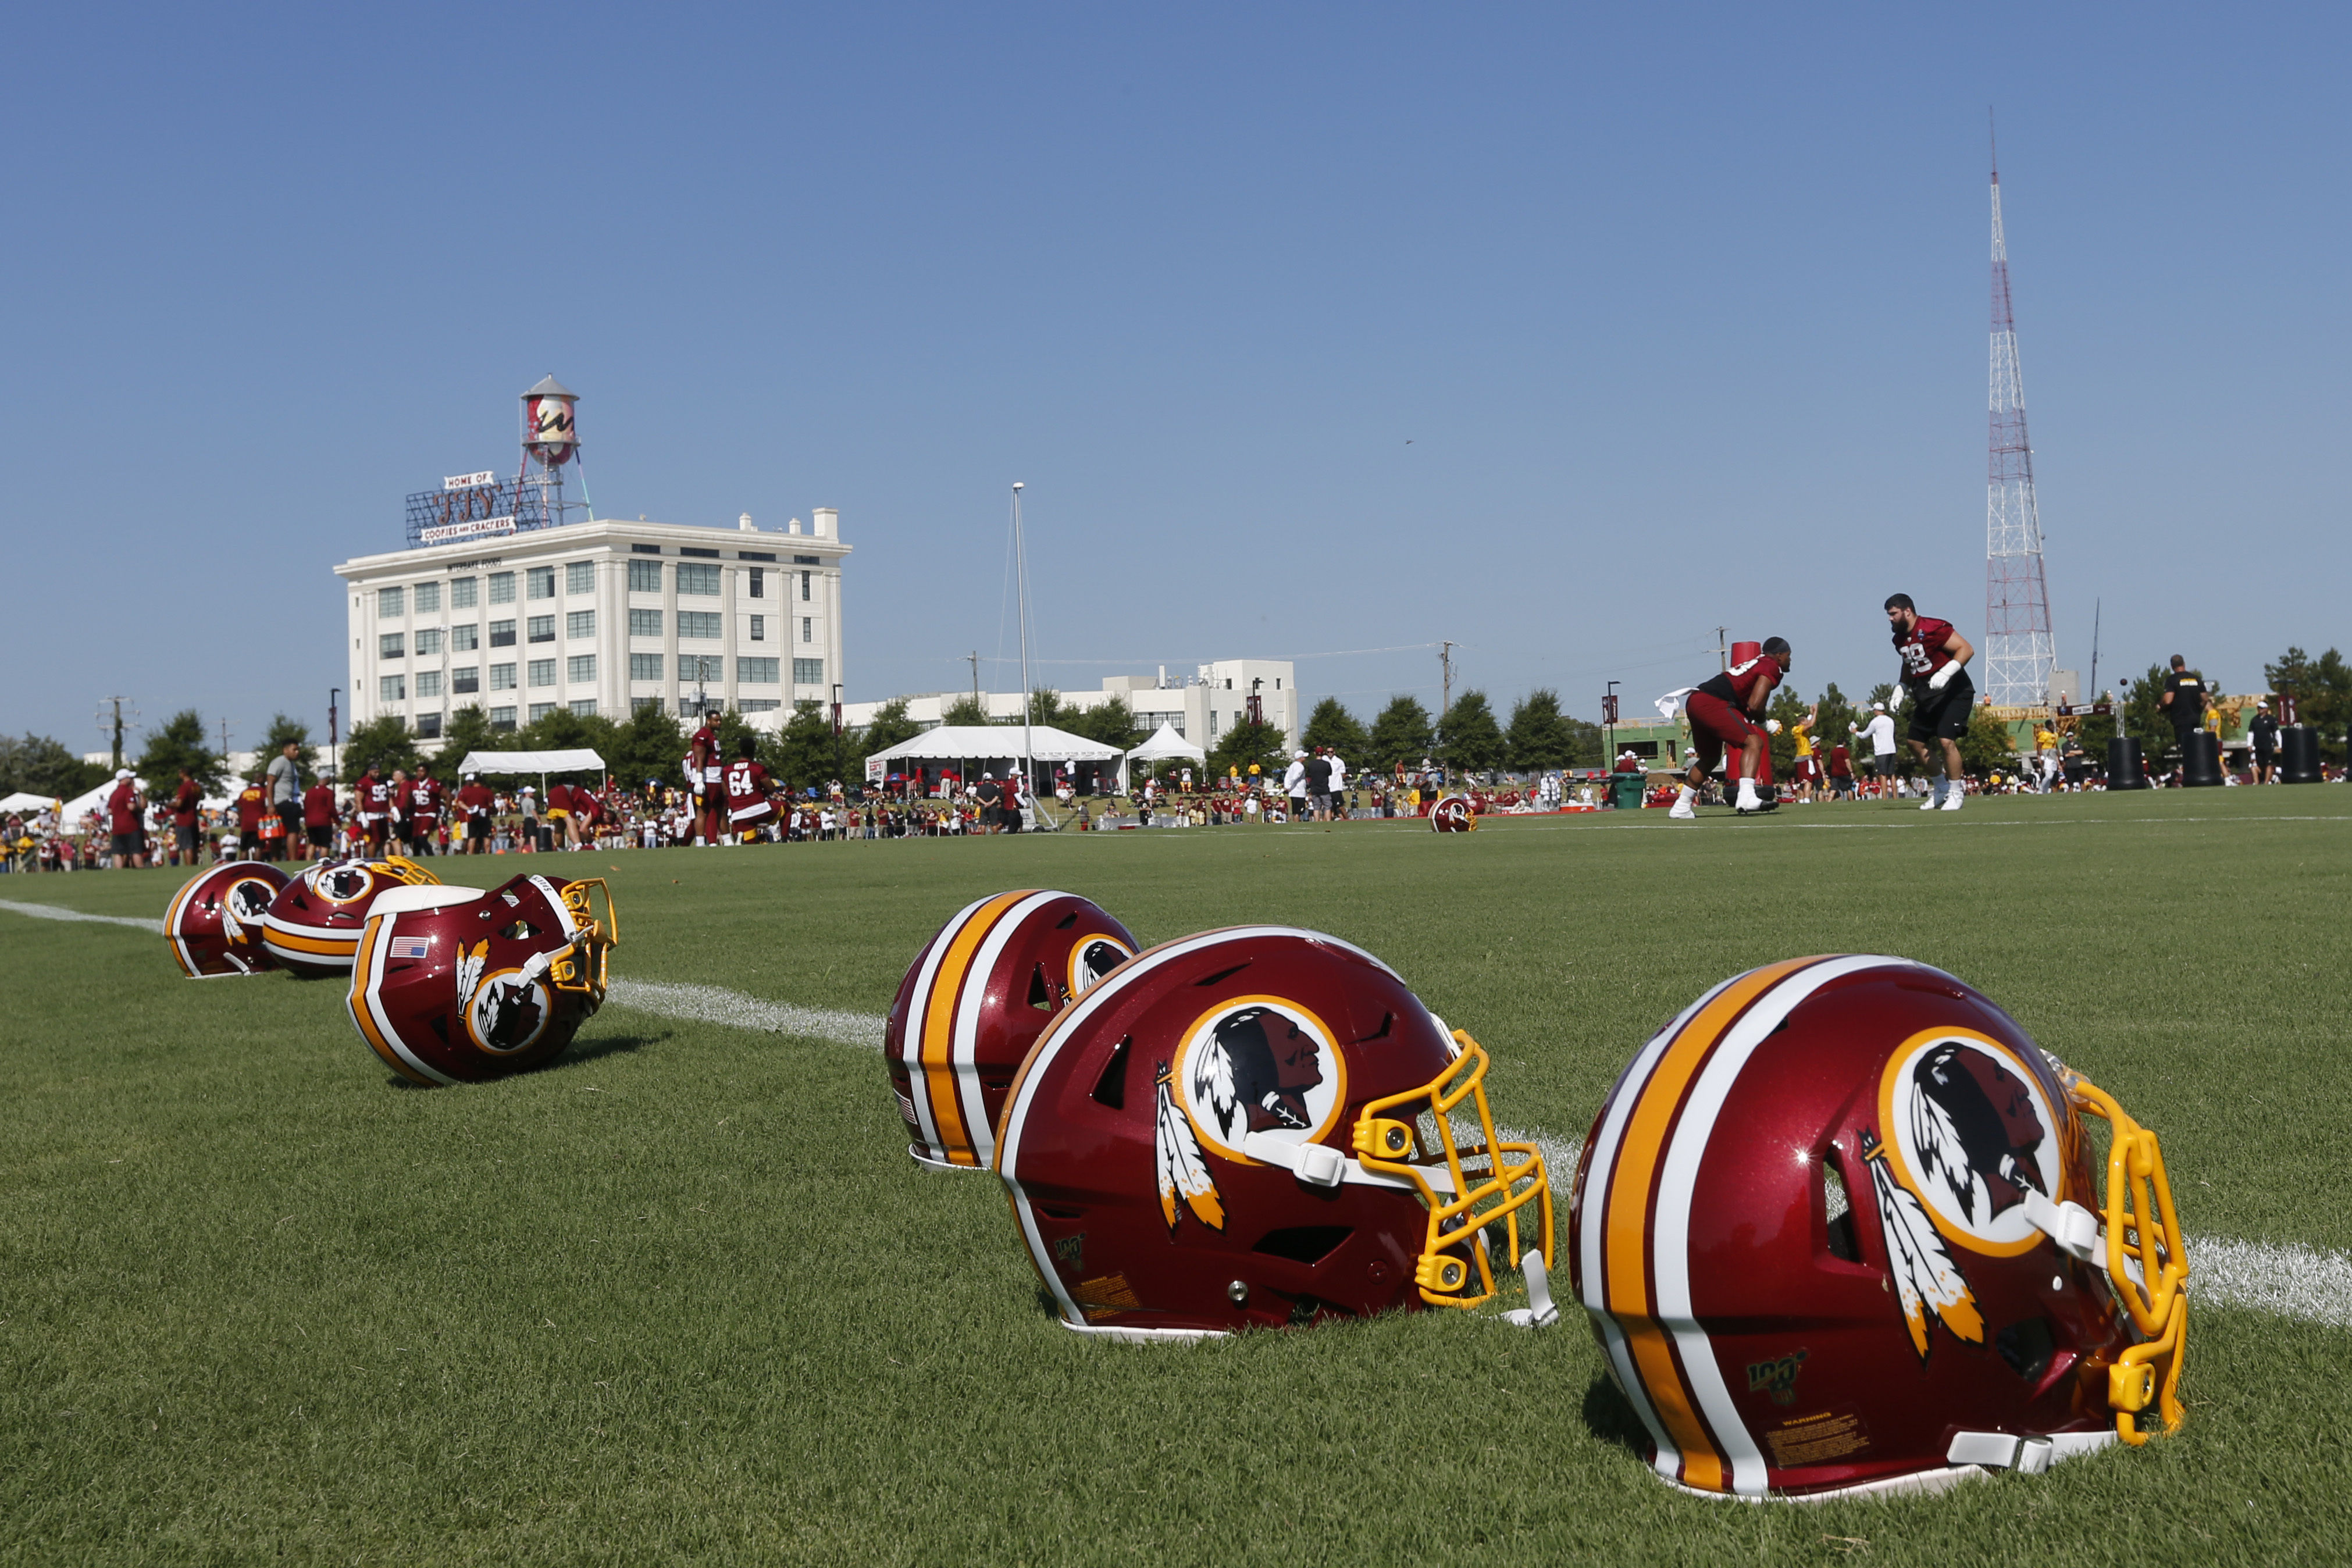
[{"x": 1021, "y": 573}]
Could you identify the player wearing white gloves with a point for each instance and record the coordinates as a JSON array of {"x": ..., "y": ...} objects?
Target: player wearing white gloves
[{"x": 1935, "y": 680}]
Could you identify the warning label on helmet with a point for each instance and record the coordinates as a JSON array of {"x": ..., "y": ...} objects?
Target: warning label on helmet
[{"x": 1812, "y": 1439}]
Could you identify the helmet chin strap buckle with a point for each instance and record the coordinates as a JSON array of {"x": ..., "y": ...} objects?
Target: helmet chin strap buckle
[
  {"x": 1320, "y": 1165},
  {"x": 1541, "y": 1312},
  {"x": 2002, "y": 1451},
  {"x": 2074, "y": 1229}
]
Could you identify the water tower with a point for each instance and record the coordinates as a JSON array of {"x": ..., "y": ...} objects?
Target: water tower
[{"x": 551, "y": 439}]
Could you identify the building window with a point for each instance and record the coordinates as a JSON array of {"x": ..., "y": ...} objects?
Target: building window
[
  {"x": 808, "y": 629},
  {"x": 645, "y": 576},
  {"x": 461, "y": 592},
  {"x": 693, "y": 578},
  {"x": 465, "y": 638},
  {"x": 502, "y": 719},
  {"x": 580, "y": 624},
  {"x": 579, "y": 669},
  {"x": 543, "y": 672},
  {"x": 428, "y": 639},
  {"x": 808, "y": 561},
  {"x": 465, "y": 677},
  {"x": 698, "y": 623},
  {"x": 428, "y": 683},
  {"x": 388, "y": 645},
  {"x": 390, "y": 602},
  {"x": 502, "y": 677},
  {"x": 645, "y": 704},
  {"x": 755, "y": 671},
  {"x": 501, "y": 587},
  {"x": 502, "y": 634},
  {"x": 758, "y": 628},
  {"x": 428, "y": 598},
  {"x": 645, "y": 623},
  {"x": 585, "y": 706},
  {"x": 757, "y": 705},
  {"x": 428, "y": 726},
  {"x": 579, "y": 577},
  {"x": 1278, "y": 683},
  {"x": 804, "y": 586},
  {"x": 542, "y": 628},
  {"x": 759, "y": 583},
  {"x": 808, "y": 672},
  {"x": 645, "y": 666},
  {"x": 394, "y": 688},
  {"x": 540, "y": 711},
  {"x": 698, "y": 668},
  {"x": 543, "y": 581}
]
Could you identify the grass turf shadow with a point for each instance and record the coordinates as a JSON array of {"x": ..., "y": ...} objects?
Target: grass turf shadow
[
  {"x": 1610, "y": 1418},
  {"x": 580, "y": 1055}
]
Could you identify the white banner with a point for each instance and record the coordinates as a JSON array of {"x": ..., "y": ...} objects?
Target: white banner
[
  {"x": 478, "y": 528},
  {"x": 470, "y": 482}
]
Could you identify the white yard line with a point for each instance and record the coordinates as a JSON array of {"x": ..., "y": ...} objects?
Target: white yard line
[
  {"x": 713, "y": 1004},
  {"x": 56, "y": 912}
]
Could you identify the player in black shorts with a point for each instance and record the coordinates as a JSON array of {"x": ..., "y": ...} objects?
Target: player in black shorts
[{"x": 1937, "y": 687}]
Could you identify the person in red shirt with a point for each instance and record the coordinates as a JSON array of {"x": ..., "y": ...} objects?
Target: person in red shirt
[
  {"x": 705, "y": 780},
  {"x": 748, "y": 809},
  {"x": 1841, "y": 772},
  {"x": 252, "y": 805},
  {"x": 318, "y": 818},
  {"x": 1726, "y": 710},
  {"x": 475, "y": 804},
  {"x": 125, "y": 822},
  {"x": 374, "y": 798},
  {"x": 187, "y": 801},
  {"x": 421, "y": 815},
  {"x": 1936, "y": 686}
]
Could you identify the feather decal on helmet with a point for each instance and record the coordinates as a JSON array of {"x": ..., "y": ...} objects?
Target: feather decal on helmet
[
  {"x": 1183, "y": 1170},
  {"x": 469, "y": 969},
  {"x": 1212, "y": 1085},
  {"x": 1927, "y": 1277}
]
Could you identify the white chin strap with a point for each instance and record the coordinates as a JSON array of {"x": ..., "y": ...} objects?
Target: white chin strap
[
  {"x": 2028, "y": 1456},
  {"x": 1540, "y": 1311},
  {"x": 1320, "y": 1165},
  {"x": 2079, "y": 1235}
]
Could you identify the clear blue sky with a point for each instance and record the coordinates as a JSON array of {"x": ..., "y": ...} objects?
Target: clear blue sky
[{"x": 1567, "y": 335}]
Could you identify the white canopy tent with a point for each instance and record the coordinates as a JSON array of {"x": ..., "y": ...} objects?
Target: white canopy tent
[
  {"x": 25, "y": 801},
  {"x": 80, "y": 805},
  {"x": 578, "y": 759},
  {"x": 1164, "y": 746},
  {"x": 992, "y": 743}
]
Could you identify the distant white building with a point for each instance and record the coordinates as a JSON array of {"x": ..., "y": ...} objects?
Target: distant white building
[
  {"x": 1203, "y": 707},
  {"x": 599, "y": 617}
]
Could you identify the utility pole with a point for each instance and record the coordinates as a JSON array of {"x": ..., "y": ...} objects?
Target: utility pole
[
  {"x": 1445, "y": 668},
  {"x": 224, "y": 751},
  {"x": 974, "y": 657},
  {"x": 335, "y": 768},
  {"x": 110, "y": 721},
  {"x": 1722, "y": 648}
]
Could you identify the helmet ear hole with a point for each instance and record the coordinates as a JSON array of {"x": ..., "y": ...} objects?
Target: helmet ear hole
[
  {"x": 1839, "y": 1208},
  {"x": 1110, "y": 1088},
  {"x": 1041, "y": 990}
]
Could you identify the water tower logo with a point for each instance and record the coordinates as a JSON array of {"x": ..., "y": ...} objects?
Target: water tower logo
[{"x": 550, "y": 434}]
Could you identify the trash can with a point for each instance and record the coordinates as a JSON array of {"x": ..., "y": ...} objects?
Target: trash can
[
  {"x": 2124, "y": 771},
  {"x": 2299, "y": 755},
  {"x": 1626, "y": 790},
  {"x": 2201, "y": 761}
]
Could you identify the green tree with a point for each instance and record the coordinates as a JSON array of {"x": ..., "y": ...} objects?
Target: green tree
[
  {"x": 1046, "y": 708},
  {"x": 1787, "y": 706},
  {"x": 1111, "y": 721},
  {"x": 1332, "y": 725},
  {"x": 383, "y": 743},
  {"x": 561, "y": 730},
  {"x": 1473, "y": 741},
  {"x": 468, "y": 732},
  {"x": 966, "y": 710},
  {"x": 1245, "y": 743},
  {"x": 2143, "y": 717},
  {"x": 1401, "y": 734},
  {"x": 38, "y": 764},
  {"x": 1987, "y": 745},
  {"x": 179, "y": 744},
  {"x": 890, "y": 726},
  {"x": 283, "y": 729},
  {"x": 1837, "y": 712},
  {"x": 805, "y": 752},
  {"x": 2322, "y": 690},
  {"x": 651, "y": 745},
  {"x": 1539, "y": 737}
]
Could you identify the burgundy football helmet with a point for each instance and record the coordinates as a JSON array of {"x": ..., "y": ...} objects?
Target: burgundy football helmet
[
  {"x": 975, "y": 1000},
  {"x": 1256, "y": 1127},
  {"x": 456, "y": 985},
  {"x": 1453, "y": 814},
  {"x": 213, "y": 923},
  {"x": 313, "y": 925},
  {"x": 1841, "y": 1227}
]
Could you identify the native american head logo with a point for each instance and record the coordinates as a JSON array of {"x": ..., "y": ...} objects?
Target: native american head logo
[
  {"x": 343, "y": 884},
  {"x": 246, "y": 900},
  {"x": 505, "y": 1012},
  {"x": 1094, "y": 958},
  {"x": 1255, "y": 1066}
]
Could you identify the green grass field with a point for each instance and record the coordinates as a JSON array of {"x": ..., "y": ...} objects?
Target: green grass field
[{"x": 682, "y": 1296}]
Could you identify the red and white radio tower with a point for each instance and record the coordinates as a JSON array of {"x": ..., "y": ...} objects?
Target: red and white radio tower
[{"x": 2019, "y": 646}]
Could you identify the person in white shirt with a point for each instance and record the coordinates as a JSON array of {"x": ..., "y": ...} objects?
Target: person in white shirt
[
  {"x": 1881, "y": 731},
  {"x": 1338, "y": 787},
  {"x": 1294, "y": 784}
]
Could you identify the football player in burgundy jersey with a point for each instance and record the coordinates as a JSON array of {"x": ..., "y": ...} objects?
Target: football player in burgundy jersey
[
  {"x": 706, "y": 781},
  {"x": 375, "y": 799},
  {"x": 748, "y": 809},
  {"x": 1726, "y": 713},
  {"x": 1937, "y": 686}
]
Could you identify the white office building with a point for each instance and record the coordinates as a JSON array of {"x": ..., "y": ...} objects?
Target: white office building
[
  {"x": 1204, "y": 707},
  {"x": 599, "y": 617}
]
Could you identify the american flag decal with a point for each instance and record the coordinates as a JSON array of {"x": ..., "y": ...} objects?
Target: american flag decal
[{"x": 411, "y": 946}]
